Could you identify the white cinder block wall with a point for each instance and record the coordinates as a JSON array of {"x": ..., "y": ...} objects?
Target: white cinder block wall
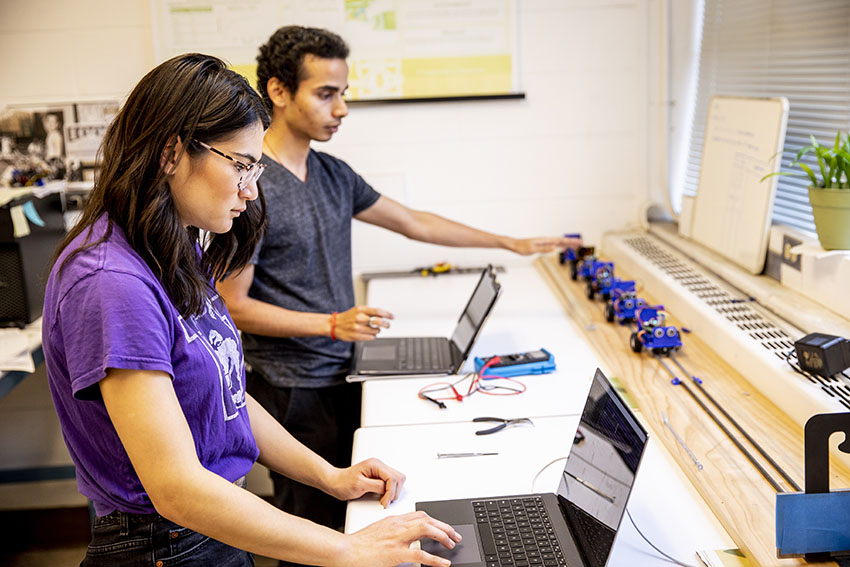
[{"x": 572, "y": 156}]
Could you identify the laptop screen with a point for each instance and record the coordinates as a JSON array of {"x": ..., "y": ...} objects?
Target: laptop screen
[
  {"x": 600, "y": 470},
  {"x": 476, "y": 311}
]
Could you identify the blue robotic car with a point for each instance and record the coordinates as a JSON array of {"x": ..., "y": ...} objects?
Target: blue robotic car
[
  {"x": 584, "y": 268},
  {"x": 652, "y": 334},
  {"x": 601, "y": 279},
  {"x": 624, "y": 302},
  {"x": 577, "y": 258},
  {"x": 569, "y": 254}
]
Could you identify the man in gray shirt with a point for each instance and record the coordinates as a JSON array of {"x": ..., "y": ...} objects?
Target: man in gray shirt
[{"x": 295, "y": 303}]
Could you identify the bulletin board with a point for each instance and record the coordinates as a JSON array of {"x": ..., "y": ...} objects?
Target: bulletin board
[
  {"x": 733, "y": 208},
  {"x": 400, "y": 49}
]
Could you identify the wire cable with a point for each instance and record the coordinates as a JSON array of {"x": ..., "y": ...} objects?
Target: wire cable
[
  {"x": 489, "y": 384},
  {"x": 795, "y": 367},
  {"x": 546, "y": 466},
  {"x": 653, "y": 546}
]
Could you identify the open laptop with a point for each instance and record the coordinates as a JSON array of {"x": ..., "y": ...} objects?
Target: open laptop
[
  {"x": 576, "y": 526},
  {"x": 412, "y": 356}
]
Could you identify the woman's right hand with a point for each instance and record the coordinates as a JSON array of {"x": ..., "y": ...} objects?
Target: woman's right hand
[{"x": 387, "y": 542}]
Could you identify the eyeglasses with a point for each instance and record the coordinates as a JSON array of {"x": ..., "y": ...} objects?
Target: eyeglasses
[{"x": 248, "y": 172}]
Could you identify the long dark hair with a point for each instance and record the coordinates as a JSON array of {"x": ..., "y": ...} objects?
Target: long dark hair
[{"x": 192, "y": 96}]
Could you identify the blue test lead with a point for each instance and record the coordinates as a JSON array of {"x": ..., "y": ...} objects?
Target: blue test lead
[
  {"x": 675, "y": 381},
  {"x": 682, "y": 368}
]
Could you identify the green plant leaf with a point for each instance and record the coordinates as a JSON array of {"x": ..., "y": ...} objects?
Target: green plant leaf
[
  {"x": 811, "y": 173},
  {"x": 832, "y": 161},
  {"x": 803, "y": 151},
  {"x": 821, "y": 154},
  {"x": 789, "y": 173},
  {"x": 844, "y": 156}
]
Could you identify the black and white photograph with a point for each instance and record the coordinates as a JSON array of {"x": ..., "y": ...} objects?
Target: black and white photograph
[
  {"x": 32, "y": 143},
  {"x": 53, "y": 141}
]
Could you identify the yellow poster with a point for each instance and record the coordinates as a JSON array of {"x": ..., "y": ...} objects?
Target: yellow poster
[{"x": 399, "y": 48}]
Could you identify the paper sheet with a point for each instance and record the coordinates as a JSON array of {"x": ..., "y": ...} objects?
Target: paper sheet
[
  {"x": 20, "y": 223},
  {"x": 723, "y": 558},
  {"x": 15, "y": 351}
]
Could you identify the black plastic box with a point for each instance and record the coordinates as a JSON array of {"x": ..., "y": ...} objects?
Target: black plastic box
[
  {"x": 824, "y": 355},
  {"x": 24, "y": 261}
]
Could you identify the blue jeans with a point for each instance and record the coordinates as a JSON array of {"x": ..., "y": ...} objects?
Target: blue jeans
[{"x": 149, "y": 540}]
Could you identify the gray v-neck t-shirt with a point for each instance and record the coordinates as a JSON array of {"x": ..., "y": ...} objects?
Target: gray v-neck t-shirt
[{"x": 304, "y": 264}]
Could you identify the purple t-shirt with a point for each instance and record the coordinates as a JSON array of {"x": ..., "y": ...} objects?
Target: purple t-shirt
[{"x": 107, "y": 310}]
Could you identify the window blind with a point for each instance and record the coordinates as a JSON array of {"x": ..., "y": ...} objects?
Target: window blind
[{"x": 771, "y": 48}]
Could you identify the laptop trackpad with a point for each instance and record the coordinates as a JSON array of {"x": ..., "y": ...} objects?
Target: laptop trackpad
[
  {"x": 379, "y": 352},
  {"x": 464, "y": 552}
]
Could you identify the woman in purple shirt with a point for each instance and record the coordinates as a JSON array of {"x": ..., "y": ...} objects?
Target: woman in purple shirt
[{"x": 145, "y": 365}]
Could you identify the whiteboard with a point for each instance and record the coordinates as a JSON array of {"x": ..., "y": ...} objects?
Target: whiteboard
[
  {"x": 400, "y": 49},
  {"x": 733, "y": 208}
]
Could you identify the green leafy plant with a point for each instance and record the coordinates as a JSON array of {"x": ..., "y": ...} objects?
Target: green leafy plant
[{"x": 833, "y": 163}]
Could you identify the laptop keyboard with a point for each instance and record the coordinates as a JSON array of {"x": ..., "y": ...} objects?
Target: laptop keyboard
[
  {"x": 598, "y": 537},
  {"x": 423, "y": 353},
  {"x": 517, "y": 532}
]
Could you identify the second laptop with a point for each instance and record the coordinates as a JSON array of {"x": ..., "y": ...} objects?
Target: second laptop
[{"x": 415, "y": 356}]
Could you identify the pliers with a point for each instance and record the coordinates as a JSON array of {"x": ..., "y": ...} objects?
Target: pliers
[{"x": 502, "y": 423}]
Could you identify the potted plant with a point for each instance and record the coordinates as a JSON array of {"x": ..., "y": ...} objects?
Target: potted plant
[{"x": 829, "y": 193}]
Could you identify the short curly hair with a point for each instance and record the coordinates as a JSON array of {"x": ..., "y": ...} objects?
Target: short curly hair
[{"x": 283, "y": 56}]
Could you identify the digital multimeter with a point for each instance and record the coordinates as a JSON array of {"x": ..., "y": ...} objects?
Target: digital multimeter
[{"x": 520, "y": 363}]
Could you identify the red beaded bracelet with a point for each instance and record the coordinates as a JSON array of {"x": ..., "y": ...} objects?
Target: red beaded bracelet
[{"x": 333, "y": 325}]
